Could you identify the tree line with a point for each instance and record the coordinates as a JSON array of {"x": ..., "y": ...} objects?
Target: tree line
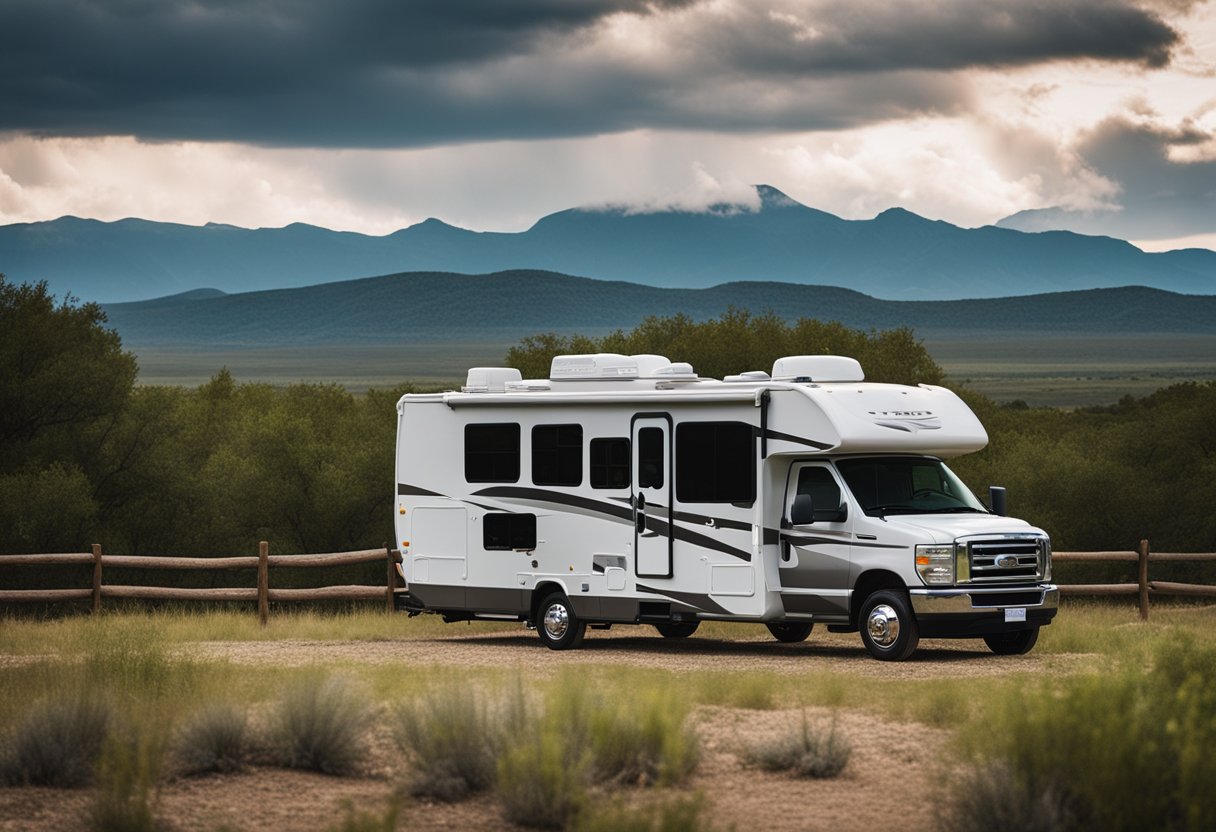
[{"x": 89, "y": 455}]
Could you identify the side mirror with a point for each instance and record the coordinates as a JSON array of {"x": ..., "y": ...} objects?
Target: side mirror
[
  {"x": 802, "y": 512},
  {"x": 996, "y": 499}
]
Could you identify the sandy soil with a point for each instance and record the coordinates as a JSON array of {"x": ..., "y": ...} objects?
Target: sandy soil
[{"x": 888, "y": 784}]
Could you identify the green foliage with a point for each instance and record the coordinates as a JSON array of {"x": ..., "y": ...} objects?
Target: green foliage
[
  {"x": 128, "y": 773},
  {"x": 990, "y": 796},
  {"x": 812, "y": 752},
  {"x": 452, "y": 739},
  {"x": 322, "y": 723},
  {"x": 358, "y": 820},
  {"x": 682, "y": 813},
  {"x": 213, "y": 740},
  {"x": 57, "y": 742},
  {"x": 542, "y": 778},
  {"x": 739, "y": 341},
  {"x": 644, "y": 738},
  {"x": 1126, "y": 749}
]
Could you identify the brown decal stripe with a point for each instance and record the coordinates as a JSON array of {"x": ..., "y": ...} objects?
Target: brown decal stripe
[{"x": 692, "y": 599}]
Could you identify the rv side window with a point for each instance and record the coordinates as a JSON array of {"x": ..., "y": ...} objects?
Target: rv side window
[
  {"x": 508, "y": 531},
  {"x": 715, "y": 462},
  {"x": 491, "y": 453},
  {"x": 557, "y": 455},
  {"x": 610, "y": 463},
  {"x": 650, "y": 458},
  {"x": 818, "y": 482}
]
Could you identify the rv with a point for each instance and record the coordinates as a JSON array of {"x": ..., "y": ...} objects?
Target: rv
[{"x": 628, "y": 490}]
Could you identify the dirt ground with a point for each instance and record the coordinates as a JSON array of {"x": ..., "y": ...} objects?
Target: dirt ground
[{"x": 889, "y": 782}]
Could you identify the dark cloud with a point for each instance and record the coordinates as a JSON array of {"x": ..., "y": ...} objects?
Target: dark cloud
[
  {"x": 391, "y": 73},
  {"x": 1159, "y": 197}
]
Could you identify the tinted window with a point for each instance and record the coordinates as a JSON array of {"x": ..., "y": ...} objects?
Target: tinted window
[
  {"x": 557, "y": 454},
  {"x": 610, "y": 463},
  {"x": 509, "y": 531},
  {"x": 715, "y": 462},
  {"x": 491, "y": 453},
  {"x": 906, "y": 485},
  {"x": 650, "y": 458},
  {"x": 824, "y": 491}
]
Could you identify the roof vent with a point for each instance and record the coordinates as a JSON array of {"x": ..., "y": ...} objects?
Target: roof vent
[
  {"x": 658, "y": 367},
  {"x": 819, "y": 368},
  {"x": 751, "y": 375},
  {"x": 599, "y": 366},
  {"x": 490, "y": 379}
]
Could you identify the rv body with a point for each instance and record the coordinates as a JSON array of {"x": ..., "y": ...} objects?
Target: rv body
[{"x": 627, "y": 490}]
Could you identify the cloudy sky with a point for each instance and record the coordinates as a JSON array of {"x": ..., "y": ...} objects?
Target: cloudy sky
[{"x": 371, "y": 115}]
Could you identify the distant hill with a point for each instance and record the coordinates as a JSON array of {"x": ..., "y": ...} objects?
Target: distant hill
[
  {"x": 450, "y": 308},
  {"x": 896, "y": 255}
]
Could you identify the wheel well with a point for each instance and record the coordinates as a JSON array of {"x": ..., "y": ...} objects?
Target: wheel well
[
  {"x": 868, "y": 583},
  {"x": 539, "y": 594}
]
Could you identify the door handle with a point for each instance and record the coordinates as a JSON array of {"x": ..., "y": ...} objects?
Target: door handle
[{"x": 639, "y": 514}]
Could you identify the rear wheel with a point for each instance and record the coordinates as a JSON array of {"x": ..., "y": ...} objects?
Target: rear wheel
[
  {"x": 677, "y": 629},
  {"x": 1013, "y": 644},
  {"x": 557, "y": 625},
  {"x": 888, "y": 628},
  {"x": 790, "y": 632}
]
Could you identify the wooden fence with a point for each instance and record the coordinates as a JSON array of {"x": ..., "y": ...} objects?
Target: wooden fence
[
  {"x": 1144, "y": 588},
  {"x": 262, "y": 593}
]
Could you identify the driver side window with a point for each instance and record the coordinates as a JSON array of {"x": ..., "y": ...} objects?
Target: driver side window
[{"x": 819, "y": 483}]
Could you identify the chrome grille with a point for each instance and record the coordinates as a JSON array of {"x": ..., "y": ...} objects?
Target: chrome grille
[{"x": 1005, "y": 559}]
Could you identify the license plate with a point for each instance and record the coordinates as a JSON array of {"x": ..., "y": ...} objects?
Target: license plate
[{"x": 1015, "y": 614}]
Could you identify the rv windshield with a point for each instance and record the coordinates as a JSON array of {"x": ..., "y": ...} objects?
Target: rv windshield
[{"x": 907, "y": 485}]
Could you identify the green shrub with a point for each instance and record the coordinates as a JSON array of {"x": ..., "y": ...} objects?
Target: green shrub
[
  {"x": 1126, "y": 749},
  {"x": 321, "y": 725},
  {"x": 643, "y": 739},
  {"x": 213, "y": 740},
  {"x": 542, "y": 780},
  {"x": 128, "y": 771},
  {"x": 812, "y": 752},
  {"x": 364, "y": 821},
  {"x": 677, "y": 814},
  {"x": 57, "y": 743},
  {"x": 452, "y": 740},
  {"x": 990, "y": 796}
]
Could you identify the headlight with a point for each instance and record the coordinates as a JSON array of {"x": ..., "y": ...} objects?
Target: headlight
[{"x": 935, "y": 564}]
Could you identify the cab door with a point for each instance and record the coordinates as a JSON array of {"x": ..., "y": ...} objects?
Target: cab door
[
  {"x": 815, "y": 562},
  {"x": 651, "y": 498}
]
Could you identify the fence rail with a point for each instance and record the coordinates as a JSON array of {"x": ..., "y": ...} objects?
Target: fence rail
[
  {"x": 262, "y": 592},
  {"x": 1143, "y": 587}
]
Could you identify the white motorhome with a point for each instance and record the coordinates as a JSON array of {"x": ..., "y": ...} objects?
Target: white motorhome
[{"x": 627, "y": 490}]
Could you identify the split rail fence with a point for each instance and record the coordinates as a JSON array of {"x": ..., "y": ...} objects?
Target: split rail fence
[
  {"x": 262, "y": 593},
  {"x": 1143, "y": 587}
]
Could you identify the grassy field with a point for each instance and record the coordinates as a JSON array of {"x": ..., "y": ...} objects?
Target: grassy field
[
  {"x": 1059, "y": 371},
  {"x": 162, "y": 675}
]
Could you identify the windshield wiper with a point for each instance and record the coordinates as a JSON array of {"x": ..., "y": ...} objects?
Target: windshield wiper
[{"x": 961, "y": 510}]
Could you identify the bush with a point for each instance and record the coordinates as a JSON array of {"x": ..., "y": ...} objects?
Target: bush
[
  {"x": 1128, "y": 749},
  {"x": 213, "y": 740},
  {"x": 452, "y": 740},
  {"x": 643, "y": 739},
  {"x": 812, "y": 752},
  {"x": 363, "y": 821},
  {"x": 990, "y": 797},
  {"x": 321, "y": 725},
  {"x": 57, "y": 743},
  {"x": 679, "y": 814},
  {"x": 127, "y": 774},
  {"x": 541, "y": 779}
]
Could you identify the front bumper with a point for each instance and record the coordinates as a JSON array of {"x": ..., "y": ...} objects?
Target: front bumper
[{"x": 966, "y": 612}]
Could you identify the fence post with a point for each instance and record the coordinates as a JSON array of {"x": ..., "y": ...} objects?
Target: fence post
[
  {"x": 96, "y": 577},
  {"x": 391, "y": 580},
  {"x": 1143, "y": 580},
  {"x": 263, "y": 582}
]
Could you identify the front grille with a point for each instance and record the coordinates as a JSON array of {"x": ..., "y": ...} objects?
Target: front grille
[
  {"x": 1007, "y": 599},
  {"x": 1006, "y": 559}
]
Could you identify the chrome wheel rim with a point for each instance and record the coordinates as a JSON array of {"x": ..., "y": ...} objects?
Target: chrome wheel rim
[
  {"x": 883, "y": 625},
  {"x": 557, "y": 621}
]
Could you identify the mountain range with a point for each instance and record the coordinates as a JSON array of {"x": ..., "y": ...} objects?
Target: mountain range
[
  {"x": 895, "y": 255},
  {"x": 431, "y": 307}
]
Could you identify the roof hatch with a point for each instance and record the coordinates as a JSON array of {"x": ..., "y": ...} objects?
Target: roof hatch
[{"x": 819, "y": 368}]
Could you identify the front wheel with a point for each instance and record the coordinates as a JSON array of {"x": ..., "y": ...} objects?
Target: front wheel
[
  {"x": 557, "y": 625},
  {"x": 677, "y": 629},
  {"x": 888, "y": 628},
  {"x": 1013, "y": 644},
  {"x": 790, "y": 632}
]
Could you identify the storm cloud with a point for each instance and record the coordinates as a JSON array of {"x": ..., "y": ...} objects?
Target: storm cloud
[{"x": 382, "y": 73}]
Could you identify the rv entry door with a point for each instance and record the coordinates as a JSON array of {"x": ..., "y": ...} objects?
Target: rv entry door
[{"x": 652, "y": 520}]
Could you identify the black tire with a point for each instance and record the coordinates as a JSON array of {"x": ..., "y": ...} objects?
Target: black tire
[
  {"x": 677, "y": 629},
  {"x": 559, "y": 628},
  {"x": 888, "y": 627},
  {"x": 791, "y": 632},
  {"x": 1013, "y": 644}
]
